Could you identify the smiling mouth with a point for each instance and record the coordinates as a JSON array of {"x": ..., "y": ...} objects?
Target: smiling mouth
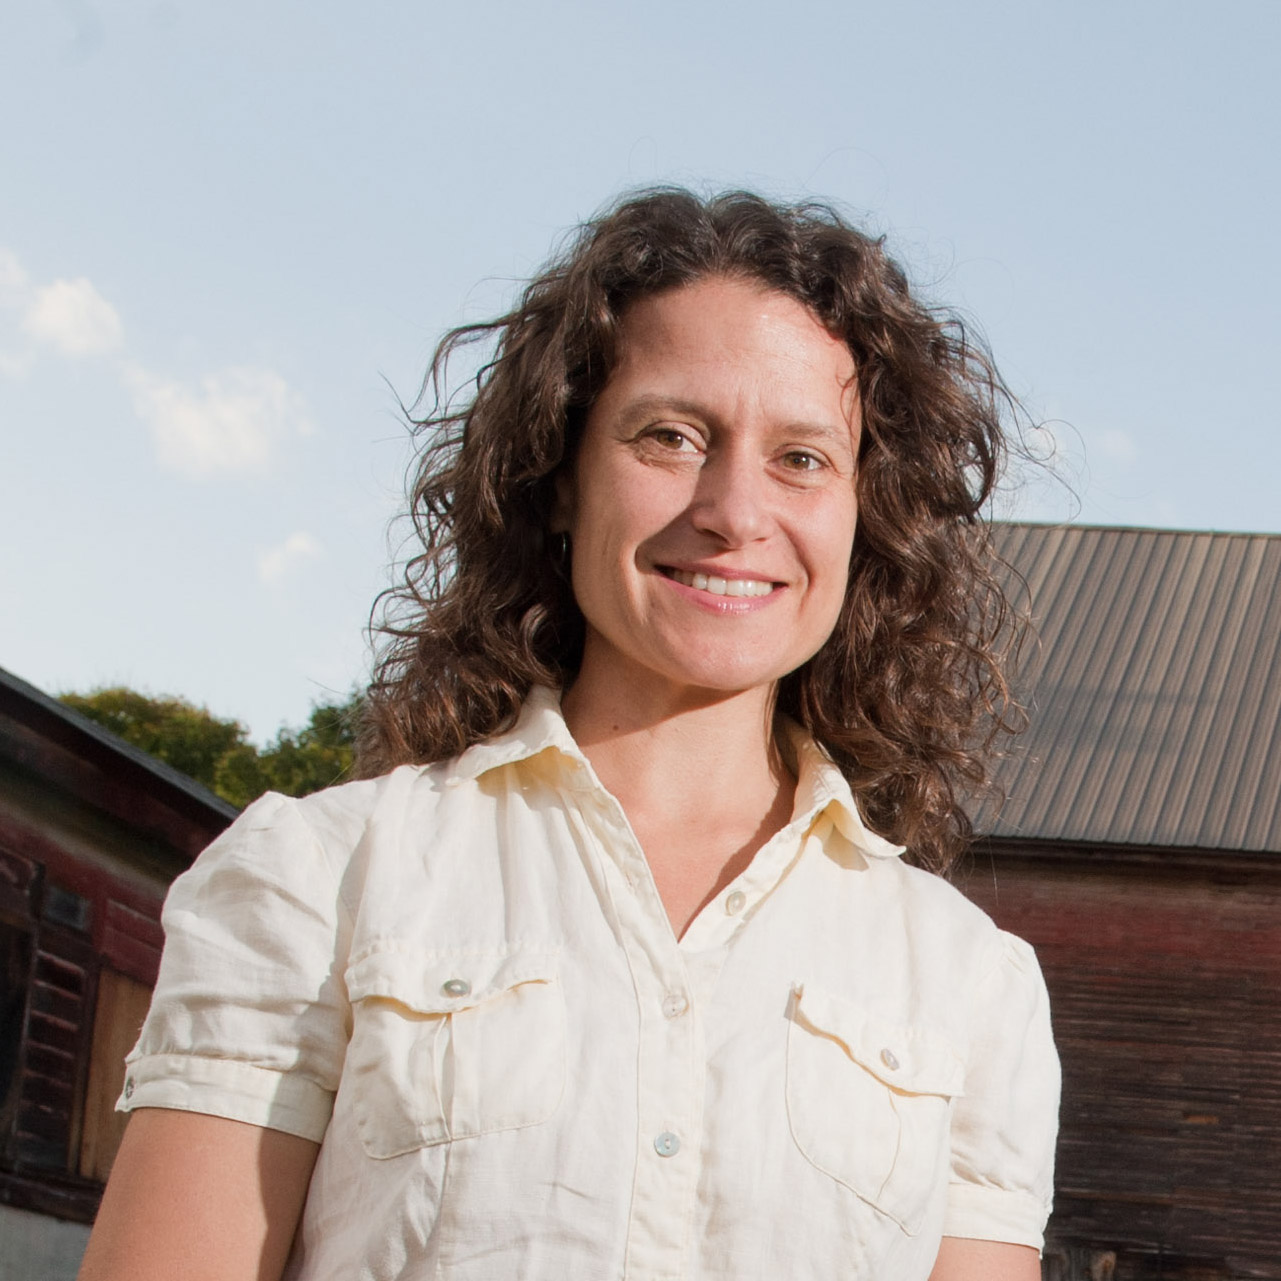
[{"x": 721, "y": 586}]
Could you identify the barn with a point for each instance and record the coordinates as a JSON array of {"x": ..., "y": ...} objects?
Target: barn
[
  {"x": 1139, "y": 850},
  {"x": 92, "y": 832}
]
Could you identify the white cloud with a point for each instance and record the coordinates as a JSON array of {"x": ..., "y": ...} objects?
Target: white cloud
[
  {"x": 274, "y": 563},
  {"x": 74, "y": 317},
  {"x": 14, "y": 286},
  {"x": 231, "y": 422}
]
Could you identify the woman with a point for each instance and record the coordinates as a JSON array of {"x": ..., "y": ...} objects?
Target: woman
[{"x": 625, "y": 974}]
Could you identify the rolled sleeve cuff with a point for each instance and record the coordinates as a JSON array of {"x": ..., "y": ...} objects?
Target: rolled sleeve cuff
[
  {"x": 223, "y": 1087},
  {"x": 995, "y": 1214}
]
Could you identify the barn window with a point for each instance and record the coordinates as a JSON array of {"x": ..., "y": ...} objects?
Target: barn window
[{"x": 15, "y": 977}]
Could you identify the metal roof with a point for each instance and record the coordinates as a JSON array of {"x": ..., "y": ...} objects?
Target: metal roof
[{"x": 1154, "y": 689}]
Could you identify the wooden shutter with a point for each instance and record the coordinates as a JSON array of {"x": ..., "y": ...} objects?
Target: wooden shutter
[{"x": 122, "y": 1006}]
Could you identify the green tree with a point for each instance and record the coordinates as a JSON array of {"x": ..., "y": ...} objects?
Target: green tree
[
  {"x": 218, "y": 752},
  {"x": 240, "y": 776},
  {"x": 189, "y": 738},
  {"x": 316, "y": 756}
]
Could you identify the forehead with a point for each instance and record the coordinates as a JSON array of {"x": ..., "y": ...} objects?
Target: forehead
[
  {"x": 718, "y": 317},
  {"x": 735, "y": 347}
]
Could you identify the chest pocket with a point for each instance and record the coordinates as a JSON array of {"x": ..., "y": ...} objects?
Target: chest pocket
[
  {"x": 869, "y": 1102},
  {"x": 452, "y": 1046}
]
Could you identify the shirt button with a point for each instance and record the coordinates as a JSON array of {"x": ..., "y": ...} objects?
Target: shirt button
[
  {"x": 890, "y": 1059},
  {"x": 674, "y": 1005},
  {"x": 129, "y": 1087},
  {"x": 667, "y": 1144},
  {"x": 735, "y": 903},
  {"x": 455, "y": 987}
]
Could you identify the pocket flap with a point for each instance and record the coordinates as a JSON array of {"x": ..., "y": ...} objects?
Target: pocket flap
[
  {"x": 903, "y": 1056},
  {"x": 442, "y": 982}
]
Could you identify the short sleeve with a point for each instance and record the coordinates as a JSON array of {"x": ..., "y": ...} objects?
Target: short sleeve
[
  {"x": 1005, "y": 1125},
  {"x": 249, "y": 1019}
]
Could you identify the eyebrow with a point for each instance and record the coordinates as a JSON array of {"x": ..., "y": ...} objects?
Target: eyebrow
[
  {"x": 654, "y": 402},
  {"x": 657, "y": 403}
]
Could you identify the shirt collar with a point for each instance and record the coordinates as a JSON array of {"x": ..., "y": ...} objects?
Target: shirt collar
[
  {"x": 540, "y": 727},
  {"x": 821, "y": 787}
]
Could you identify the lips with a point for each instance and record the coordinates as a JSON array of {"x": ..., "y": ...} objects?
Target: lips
[{"x": 718, "y": 586}]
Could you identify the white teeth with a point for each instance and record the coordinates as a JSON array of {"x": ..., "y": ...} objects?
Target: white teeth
[{"x": 723, "y": 586}]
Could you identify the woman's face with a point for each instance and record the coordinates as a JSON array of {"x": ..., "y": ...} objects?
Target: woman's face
[{"x": 711, "y": 507}]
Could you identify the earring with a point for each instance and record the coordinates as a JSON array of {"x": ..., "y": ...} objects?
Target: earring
[{"x": 560, "y": 553}]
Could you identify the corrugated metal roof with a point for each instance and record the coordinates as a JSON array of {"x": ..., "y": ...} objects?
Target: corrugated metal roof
[{"x": 1154, "y": 689}]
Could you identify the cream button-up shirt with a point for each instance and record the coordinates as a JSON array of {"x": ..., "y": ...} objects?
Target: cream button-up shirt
[{"x": 460, "y": 980}]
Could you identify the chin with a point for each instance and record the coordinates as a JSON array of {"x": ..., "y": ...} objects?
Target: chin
[{"x": 728, "y": 678}]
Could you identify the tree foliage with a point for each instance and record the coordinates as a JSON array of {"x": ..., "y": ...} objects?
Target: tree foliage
[{"x": 218, "y": 753}]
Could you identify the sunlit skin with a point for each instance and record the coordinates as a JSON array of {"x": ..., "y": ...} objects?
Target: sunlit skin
[{"x": 724, "y": 444}]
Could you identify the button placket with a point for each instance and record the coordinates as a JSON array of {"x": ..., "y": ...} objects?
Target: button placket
[{"x": 670, "y": 1060}]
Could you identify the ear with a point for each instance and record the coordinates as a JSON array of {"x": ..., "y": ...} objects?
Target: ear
[{"x": 562, "y": 516}]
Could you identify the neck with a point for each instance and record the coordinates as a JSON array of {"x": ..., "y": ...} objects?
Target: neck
[
  {"x": 688, "y": 751},
  {"x": 698, "y": 778}
]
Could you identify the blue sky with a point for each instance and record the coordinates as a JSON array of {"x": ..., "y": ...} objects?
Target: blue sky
[{"x": 231, "y": 232}]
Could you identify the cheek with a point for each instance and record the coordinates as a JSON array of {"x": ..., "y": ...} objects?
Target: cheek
[
  {"x": 596, "y": 533},
  {"x": 833, "y": 544},
  {"x": 835, "y": 557},
  {"x": 592, "y": 528},
  {"x": 619, "y": 515}
]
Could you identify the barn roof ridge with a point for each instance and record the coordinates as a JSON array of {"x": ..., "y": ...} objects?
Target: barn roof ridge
[
  {"x": 57, "y": 723},
  {"x": 1090, "y": 526}
]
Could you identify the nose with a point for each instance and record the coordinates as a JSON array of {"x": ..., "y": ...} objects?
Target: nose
[{"x": 731, "y": 500}]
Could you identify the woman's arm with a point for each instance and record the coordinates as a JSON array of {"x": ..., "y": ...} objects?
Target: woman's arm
[
  {"x": 201, "y": 1198},
  {"x": 964, "y": 1260}
]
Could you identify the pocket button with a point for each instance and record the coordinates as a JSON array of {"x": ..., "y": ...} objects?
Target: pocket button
[
  {"x": 667, "y": 1144},
  {"x": 455, "y": 987}
]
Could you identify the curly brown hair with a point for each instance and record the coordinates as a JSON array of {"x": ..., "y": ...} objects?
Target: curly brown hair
[{"x": 907, "y": 695}]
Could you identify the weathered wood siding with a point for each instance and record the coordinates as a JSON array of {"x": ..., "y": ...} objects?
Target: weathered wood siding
[
  {"x": 92, "y": 832},
  {"x": 1164, "y": 973},
  {"x": 79, "y": 927}
]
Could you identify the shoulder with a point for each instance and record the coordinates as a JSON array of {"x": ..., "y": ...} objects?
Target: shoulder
[
  {"x": 346, "y": 808},
  {"x": 944, "y": 920},
  {"x": 307, "y": 842},
  {"x": 339, "y": 815}
]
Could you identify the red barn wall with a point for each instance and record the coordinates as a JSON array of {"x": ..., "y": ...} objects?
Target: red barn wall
[{"x": 1164, "y": 974}]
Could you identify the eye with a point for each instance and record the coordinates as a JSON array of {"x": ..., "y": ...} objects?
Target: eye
[
  {"x": 675, "y": 439},
  {"x": 802, "y": 460}
]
